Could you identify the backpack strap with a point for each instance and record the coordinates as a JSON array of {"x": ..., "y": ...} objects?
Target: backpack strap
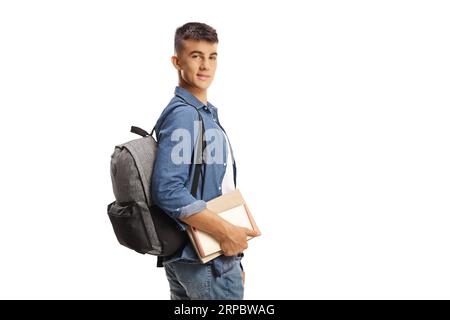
[
  {"x": 159, "y": 262},
  {"x": 197, "y": 158}
]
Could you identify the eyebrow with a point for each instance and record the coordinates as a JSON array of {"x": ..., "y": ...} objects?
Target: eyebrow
[{"x": 199, "y": 52}]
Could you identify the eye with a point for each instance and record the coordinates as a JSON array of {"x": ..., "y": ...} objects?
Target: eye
[{"x": 213, "y": 58}]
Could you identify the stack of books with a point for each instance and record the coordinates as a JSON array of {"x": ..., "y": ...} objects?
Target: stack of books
[{"x": 231, "y": 207}]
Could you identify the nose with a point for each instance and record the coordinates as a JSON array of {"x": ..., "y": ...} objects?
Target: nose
[{"x": 205, "y": 64}]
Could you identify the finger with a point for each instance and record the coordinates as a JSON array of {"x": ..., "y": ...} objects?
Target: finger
[{"x": 253, "y": 233}]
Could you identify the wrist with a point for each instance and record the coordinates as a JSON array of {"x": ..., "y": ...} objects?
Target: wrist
[{"x": 224, "y": 231}]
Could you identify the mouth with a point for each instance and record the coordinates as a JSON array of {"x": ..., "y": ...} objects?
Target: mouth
[{"x": 202, "y": 76}]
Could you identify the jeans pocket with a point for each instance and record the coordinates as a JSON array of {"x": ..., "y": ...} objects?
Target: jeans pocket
[{"x": 194, "y": 277}]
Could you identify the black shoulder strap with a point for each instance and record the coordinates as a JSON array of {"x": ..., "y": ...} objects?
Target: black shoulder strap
[
  {"x": 159, "y": 262},
  {"x": 197, "y": 158}
]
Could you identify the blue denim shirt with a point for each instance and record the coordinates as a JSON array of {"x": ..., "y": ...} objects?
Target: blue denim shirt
[{"x": 172, "y": 180}]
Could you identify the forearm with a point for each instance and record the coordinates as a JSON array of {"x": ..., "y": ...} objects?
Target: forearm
[{"x": 209, "y": 222}]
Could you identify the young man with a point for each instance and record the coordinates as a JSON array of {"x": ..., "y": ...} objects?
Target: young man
[{"x": 222, "y": 278}]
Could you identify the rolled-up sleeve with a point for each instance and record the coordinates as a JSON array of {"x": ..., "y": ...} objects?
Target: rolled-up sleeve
[{"x": 170, "y": 178}]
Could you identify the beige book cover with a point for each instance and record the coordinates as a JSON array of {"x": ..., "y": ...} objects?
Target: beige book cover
[{"x": 231, "y": 207}]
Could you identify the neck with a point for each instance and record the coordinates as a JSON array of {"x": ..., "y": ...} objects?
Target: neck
[{"x": 200, "y": 94}]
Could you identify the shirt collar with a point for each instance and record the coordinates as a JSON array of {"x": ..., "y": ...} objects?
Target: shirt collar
[{"x": 190, "y": 98}]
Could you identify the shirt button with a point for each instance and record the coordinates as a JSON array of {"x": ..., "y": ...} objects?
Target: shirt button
[
  {"x": 224, "y": 164},
  {"x": 220, "y": 188}
]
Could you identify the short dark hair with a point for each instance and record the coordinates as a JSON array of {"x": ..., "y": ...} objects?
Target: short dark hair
[{"x": 194, "y": 31}]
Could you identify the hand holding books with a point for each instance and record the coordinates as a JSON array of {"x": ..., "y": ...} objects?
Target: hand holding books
[
  {"x": 227, "y": 224},
  {"x": 235, "y": 240}
]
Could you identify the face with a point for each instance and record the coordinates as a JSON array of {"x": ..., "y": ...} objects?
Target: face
[{"x": 196, "y": 64}]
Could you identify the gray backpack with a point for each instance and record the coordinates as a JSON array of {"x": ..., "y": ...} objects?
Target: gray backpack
[{"x": 137, "y": 223}]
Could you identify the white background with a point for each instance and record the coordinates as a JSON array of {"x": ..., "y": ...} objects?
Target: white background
[{"x": 338, "y": 112}]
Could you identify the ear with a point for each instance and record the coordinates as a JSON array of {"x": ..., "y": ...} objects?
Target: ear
[{"x": 176, "y": 62}]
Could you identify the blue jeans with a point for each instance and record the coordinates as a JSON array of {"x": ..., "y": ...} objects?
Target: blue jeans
[{"x": 194, "y": 281}]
